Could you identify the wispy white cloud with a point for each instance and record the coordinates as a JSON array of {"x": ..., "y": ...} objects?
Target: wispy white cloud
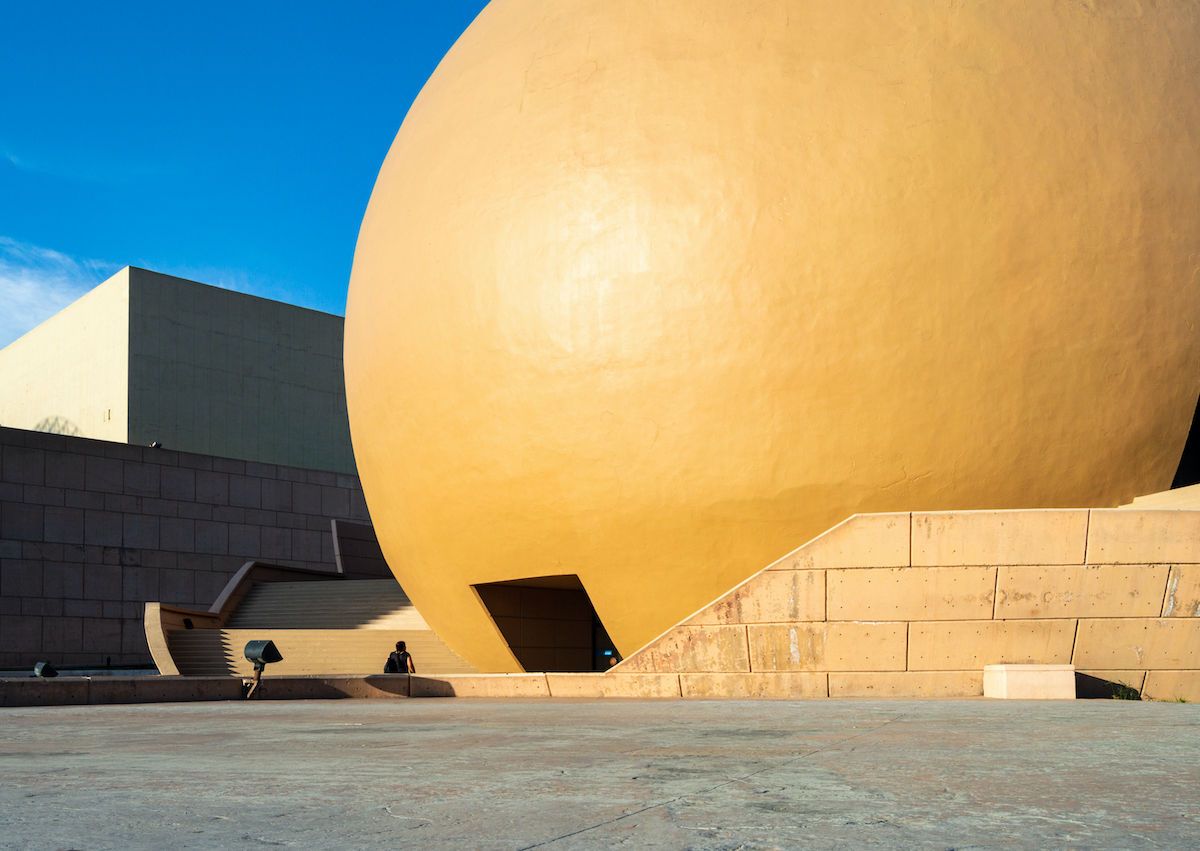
[
  {"x": 16, "y": 162},
  {"x": 37, "y": 282}
]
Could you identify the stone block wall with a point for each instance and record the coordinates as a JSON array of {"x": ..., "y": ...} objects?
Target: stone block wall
[
  {"x": 916, "y": 604},
  {"x": 90, "y": 531}
]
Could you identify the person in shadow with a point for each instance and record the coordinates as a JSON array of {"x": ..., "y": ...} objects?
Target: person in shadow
[{"x": 400, "y": 661}]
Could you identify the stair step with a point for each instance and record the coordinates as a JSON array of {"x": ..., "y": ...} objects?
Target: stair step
[{"x": 333, "y": 626}]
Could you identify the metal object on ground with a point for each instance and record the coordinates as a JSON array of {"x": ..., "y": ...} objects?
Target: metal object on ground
[{"x": 261, "y": 653}]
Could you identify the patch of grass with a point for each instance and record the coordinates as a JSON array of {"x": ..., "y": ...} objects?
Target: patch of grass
[{"x": 1123, "y": 692}]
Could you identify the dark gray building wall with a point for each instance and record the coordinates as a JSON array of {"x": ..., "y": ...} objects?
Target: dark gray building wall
[
  {"x": 230, "y": 374},
  {"x": 90, "y": 531}
]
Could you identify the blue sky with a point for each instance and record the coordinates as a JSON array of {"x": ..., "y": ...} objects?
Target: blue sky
[{"x": 231, "y": 143}]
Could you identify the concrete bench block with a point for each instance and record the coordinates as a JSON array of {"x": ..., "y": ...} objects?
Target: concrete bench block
[
  {"x": 907, "y": 684},
  {"x": 163, "y": 689},
  {"x": 613, "y": 685},
  {"x": 1029, "y": 682},
  {"x": 381, "y": 686},
  {"x": 763, "y": 685},
  {"x": 479, "y": 685},
  {"x": 31, "y": 691}
]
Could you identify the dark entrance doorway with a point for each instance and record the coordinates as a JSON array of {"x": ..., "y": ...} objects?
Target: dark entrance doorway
[{"x": 549, "y": 623}]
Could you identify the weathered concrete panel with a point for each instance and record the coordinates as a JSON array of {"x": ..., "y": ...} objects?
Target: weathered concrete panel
[
  {"x": 163, "y": 689},
  {"x": 377, "y": 687},
  {"x": 792, "y": 685},
  {"x": 694, "y": 648},
  {"x": 613, "y": 685},
  {"x": 1113, "y": 643},
  {"x": 1127, "y": 536},
  {"x": 479, "y": 685},
  {"x": 1182, "y": 599},
  {"x": 969, "y": 645},
  {"x": 1173, "y": 685},
  {"x": 911, "y": 593},
  {"x": 774, "y": 596},
  {"x": 907, "y": 684},
  {"x": 866, "y": 540},
  {"x": 64, "y": 691},
  {"x": 999, "y": 537},
  {"x": 1076, "y": 591},
  {"x": 828, "y": 646}
]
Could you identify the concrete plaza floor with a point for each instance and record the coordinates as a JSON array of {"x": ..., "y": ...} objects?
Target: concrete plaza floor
[{"x": 673, "y": 774}]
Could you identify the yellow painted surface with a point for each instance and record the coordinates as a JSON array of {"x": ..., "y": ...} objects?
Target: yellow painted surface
[
  {"x": 773, "y": 596},
  {"x": 1173, "y": 685},
  {"x": 695, "y": 648},
  {"x": 1129, "y": 536},
  {"x": 1077, "y": 591},
  {"x": 911, "y": 593},
  {"x": 827, "y": 646},
  {"x": 866, "y": 539},
  {"x": 1138, "y": 643},
  {"x": 758, "y": 685},
  {"x": 999, "y": 537},
  {"x": 652, "y": 294},
  {"x": 969, "y": 645},
  {"x": 1182, "y": 599},
  {"x": 906, "y": 684}
]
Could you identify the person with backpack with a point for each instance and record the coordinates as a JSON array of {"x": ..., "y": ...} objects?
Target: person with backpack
[{"x": 400, "y": 661}]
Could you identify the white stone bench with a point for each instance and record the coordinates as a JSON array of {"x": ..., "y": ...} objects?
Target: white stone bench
[{"x": 1029, "y": 682}]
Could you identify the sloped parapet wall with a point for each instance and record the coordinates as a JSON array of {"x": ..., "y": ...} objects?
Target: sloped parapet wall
[{"x": 915, "y": 604}]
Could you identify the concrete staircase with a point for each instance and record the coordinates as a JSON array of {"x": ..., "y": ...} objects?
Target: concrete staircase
[{"x": 333, "y": 627}]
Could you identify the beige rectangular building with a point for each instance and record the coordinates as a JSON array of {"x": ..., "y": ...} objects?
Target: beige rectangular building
[{"x": 148, "y": 357}]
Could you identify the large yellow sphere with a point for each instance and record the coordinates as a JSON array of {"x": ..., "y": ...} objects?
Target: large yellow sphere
[{"x": 651, "y": 293}]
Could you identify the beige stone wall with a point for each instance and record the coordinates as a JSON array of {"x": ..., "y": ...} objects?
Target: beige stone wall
[
  {"x": 69, "y": 374},
  {"x": 915, "y": 604}
]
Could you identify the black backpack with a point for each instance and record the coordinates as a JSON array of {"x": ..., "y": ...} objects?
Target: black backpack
[{"x": 397, "y": 662}]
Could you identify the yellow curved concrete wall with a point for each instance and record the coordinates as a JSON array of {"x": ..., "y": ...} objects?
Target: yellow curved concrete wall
[
  {"x": 915, "y": 605},
  {"x": 650, "y": 293}
]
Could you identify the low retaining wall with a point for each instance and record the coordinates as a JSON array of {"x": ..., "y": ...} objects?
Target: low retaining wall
[
  {"x": 69, "y": 691},
  {"x": 915, "y": 605},
  {"x": 75, "y": 691}
]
